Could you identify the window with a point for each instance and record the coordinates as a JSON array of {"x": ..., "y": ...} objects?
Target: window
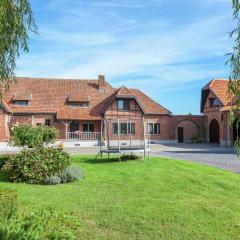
[
  {"x": 88, "y": 127},
  {"x": 214, "y": 102},
  {"x": 79, "y": 104},
  {"x": 21, "y": 102},
  {"x": 55, "y": 119},
  {"x": 154, "y": 128},
  {"x": 150, "y": 128},
  {"x": 125, "y": 128},
  {"x": 115, "y": 128},
  {"x": 131, "y": 128},
  {"x": 47, "y": 122},
  {"x": 123, "y": 104}
]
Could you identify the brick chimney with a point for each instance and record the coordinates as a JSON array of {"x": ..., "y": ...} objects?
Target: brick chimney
[{"x": 101, "y": 82}]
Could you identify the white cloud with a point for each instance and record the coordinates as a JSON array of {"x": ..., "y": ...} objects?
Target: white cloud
[{"x": 168, "y": 53}]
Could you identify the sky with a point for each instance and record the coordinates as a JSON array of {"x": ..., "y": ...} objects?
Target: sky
[{"x": 169, "y": 49}]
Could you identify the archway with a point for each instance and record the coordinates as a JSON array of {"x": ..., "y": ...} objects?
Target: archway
[
  {"x": 236, "y": 131},
  {"x": 186, "y": 131},
  {"x": 214, "y": 132}
]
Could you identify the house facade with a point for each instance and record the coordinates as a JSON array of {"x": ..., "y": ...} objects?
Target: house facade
[
  {"x": 80, "y": 108},
  {"x": 215, "y": 106}
]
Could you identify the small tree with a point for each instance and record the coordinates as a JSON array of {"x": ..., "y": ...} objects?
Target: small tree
[
  {"x": 32, "y": 137},
  {"x": 16, "y": 20},
  {"x": 234, "y": 83}
]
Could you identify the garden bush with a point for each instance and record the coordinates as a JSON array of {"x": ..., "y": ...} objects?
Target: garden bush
[
  {"x": 32, "y": 137},
  {"x": 37, "y": 225},
  {"x": 70, "y": 174},
  {"x": 52, "y": 180},
  {"x": 8, "y": 203},
  {"x": 3, "y": 160},
  {"x": 126, "y": 157},
  {"x": 35, "y": 165}
]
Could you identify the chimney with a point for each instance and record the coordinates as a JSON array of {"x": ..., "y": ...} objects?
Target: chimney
[{"x": 101, "y": 82}]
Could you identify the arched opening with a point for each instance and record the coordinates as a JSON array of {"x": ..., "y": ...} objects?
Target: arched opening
[
  {"x": 214, "y": 132},
  {"x": 186, "y": 131},
  {"x": 236, "y": 131}
]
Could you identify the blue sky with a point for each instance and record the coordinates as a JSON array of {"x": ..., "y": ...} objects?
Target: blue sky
[{"x": 167, "y": 48}]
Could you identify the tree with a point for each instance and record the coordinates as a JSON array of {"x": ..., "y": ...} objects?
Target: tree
[
  {"x": 234, "y": 83},
  {"x": 16, "y": 20}
]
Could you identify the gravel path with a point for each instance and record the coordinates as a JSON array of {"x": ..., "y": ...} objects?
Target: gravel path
[{"x": 212, "y": 155}]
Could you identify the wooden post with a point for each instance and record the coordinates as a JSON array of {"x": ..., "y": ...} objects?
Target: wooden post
[{"x": 66, "y": 123}]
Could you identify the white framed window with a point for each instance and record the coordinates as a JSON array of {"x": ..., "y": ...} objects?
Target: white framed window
[
  {"x": 214, "y": 102},
  {"x": 154, "y": 128},
  {"x": 125, "y": 128},
  {"x": 123, "y": 104}
]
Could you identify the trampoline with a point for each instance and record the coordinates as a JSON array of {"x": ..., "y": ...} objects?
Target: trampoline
[{"x": 124, "y": 135}]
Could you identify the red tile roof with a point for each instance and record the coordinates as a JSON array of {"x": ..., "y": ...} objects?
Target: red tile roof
[
  {"x": 148, "y": 104},
  {"x": 219, "y": 88},
  {"x": 52, "y": 95}
]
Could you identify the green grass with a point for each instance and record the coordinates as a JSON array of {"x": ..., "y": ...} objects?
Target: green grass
[{"x": 153, "y": 199}]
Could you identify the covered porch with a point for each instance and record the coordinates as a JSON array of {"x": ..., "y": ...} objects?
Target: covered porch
[{"x": 82, "y": 129}]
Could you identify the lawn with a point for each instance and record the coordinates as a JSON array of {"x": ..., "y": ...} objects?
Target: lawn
[{"x": 154, "y": 199}]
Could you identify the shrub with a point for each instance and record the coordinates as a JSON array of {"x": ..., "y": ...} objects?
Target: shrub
[
  {"x": 8, "y": 203},
  {"x": 32, "y": 137},
  {"x": 38, "y": 225},
  {"x": 35, "y": 165},
  {"x": 126, "y": 157},
  {"x": 70, "y": 174},
  {"x": 52, "y": 180},
  {"x": 194, "y": 139},
  {"x": 3, "y": 160}
]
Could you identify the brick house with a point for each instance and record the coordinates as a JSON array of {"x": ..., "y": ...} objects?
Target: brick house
[
  {"x": 78, "y": 108},
  {"x": 215, "y": 106}
]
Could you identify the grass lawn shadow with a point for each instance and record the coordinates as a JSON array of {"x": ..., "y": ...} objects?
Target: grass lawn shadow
[
  {"x": 111, "y": 159},
  {"x": 103, "y": 160}
]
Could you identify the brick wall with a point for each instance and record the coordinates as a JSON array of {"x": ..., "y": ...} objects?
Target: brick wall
[
  {"x": 211, "y": 113},
  {"x": 165, "y": 127},
  {"x": 38, "y": 119},
  {"x": 193, "y": 125},
  {"x": 4, "y": 127}
]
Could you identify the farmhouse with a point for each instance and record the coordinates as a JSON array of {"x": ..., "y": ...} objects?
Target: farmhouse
[{"x": 78, "y": 108}]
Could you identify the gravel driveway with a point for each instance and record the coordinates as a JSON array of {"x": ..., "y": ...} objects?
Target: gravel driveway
[{"x": 212, "y": 155}]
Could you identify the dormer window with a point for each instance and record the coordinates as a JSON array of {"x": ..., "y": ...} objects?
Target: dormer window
[
  {"x": 78, "y": 104},
  {"x": 21, "y": 102},
  {"x": 214, "y": 102},
  {"x": 123, "y": 104}
]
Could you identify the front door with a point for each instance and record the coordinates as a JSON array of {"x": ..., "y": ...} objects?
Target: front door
[
  {"x": 74, "y": 126},
  {"x": 180, "y": 134}
]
